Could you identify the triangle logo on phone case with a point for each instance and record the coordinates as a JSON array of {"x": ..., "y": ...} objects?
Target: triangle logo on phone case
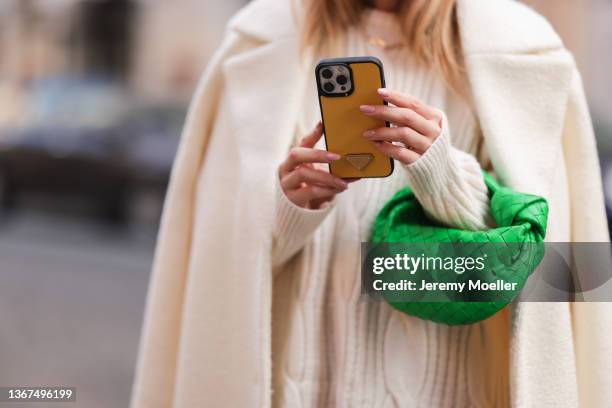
[{"x": 359, "y": 161}]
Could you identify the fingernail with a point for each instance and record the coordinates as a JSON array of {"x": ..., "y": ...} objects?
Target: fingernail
[
  {"x": 319, "y": 125},
  {"x": 333, "y": 156},
  {"x": 367, "y": 108},
  {"x": 341, "y": 183},
  {"x": 368, "y": 133},
  {"x": 383, "y": 92}
]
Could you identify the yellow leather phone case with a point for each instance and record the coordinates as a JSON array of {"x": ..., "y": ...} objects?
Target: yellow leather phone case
[{"x": 343, "y": 122}]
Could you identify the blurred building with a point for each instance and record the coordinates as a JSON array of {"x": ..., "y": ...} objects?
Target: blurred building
[
  {"x": 31, "y": 38},
  {"x": 174, "y": 40},
  {"x": 101, "y": 38},
  {"x": 160, "y": 47},
  {"x": 95, "y": 91}
]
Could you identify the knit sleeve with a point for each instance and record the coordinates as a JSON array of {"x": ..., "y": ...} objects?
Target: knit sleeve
[
  {"x": 449, "y": 184},
  {"x": 294, "y": 226}
]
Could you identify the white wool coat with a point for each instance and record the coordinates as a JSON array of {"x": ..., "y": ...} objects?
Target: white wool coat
[{"x": 206, "y": 335}]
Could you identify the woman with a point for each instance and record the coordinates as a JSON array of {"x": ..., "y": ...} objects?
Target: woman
[{"x": 255, "y": 297}]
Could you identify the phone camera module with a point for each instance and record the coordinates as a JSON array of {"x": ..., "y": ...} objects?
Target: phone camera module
[{"x": 335, "y": 80}]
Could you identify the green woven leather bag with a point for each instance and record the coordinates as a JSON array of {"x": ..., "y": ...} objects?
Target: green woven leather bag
[{"x": 520, "y": 221}]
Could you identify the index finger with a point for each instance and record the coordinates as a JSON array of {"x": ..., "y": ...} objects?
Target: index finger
[
  {"x": 311, "y": 139},
  {"x": 402, "y": 117},
  {"x": 304, "y": 155},
  {"x": 406, "y": 101}
]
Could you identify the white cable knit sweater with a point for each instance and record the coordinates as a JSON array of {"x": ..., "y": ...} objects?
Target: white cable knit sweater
[
  {"x": 215, "y": 335},
  {"x": 332, "y": 347}
]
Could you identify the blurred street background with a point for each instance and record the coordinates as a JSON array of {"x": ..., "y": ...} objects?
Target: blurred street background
[{"x": 93, "y": 94}]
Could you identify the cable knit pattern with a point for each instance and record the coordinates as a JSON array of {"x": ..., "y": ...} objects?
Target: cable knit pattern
[
  {"x": 332, "y": 347},
  {"x": 449, "y": 184}
]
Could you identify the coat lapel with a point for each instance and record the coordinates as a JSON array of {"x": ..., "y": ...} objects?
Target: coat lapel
[
  {"x": 265, "y": 82},
  {"x": 520, "y": 82},
  {"x": 264, "y": 86}
]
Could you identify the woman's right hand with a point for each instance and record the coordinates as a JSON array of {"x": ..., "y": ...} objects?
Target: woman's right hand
[{"x": 302, "y": 183}]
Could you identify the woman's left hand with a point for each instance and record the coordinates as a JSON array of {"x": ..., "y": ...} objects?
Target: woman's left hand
[{"x": 416, "y": 126}]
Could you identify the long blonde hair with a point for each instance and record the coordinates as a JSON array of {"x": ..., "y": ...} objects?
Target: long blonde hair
[{"x": 430, "y": 27}]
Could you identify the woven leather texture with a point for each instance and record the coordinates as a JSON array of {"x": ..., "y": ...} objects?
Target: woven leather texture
[{"x": 517, "y": 247}]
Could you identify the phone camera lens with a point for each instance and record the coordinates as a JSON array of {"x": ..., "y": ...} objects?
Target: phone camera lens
[
  {"x": 329, "y": 87},
  {"x": 341, "y": 79},
  {"x": 327, "y": 73}
]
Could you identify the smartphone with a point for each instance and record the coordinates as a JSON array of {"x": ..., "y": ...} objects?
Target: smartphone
[{"x": 343, "y": 84}]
